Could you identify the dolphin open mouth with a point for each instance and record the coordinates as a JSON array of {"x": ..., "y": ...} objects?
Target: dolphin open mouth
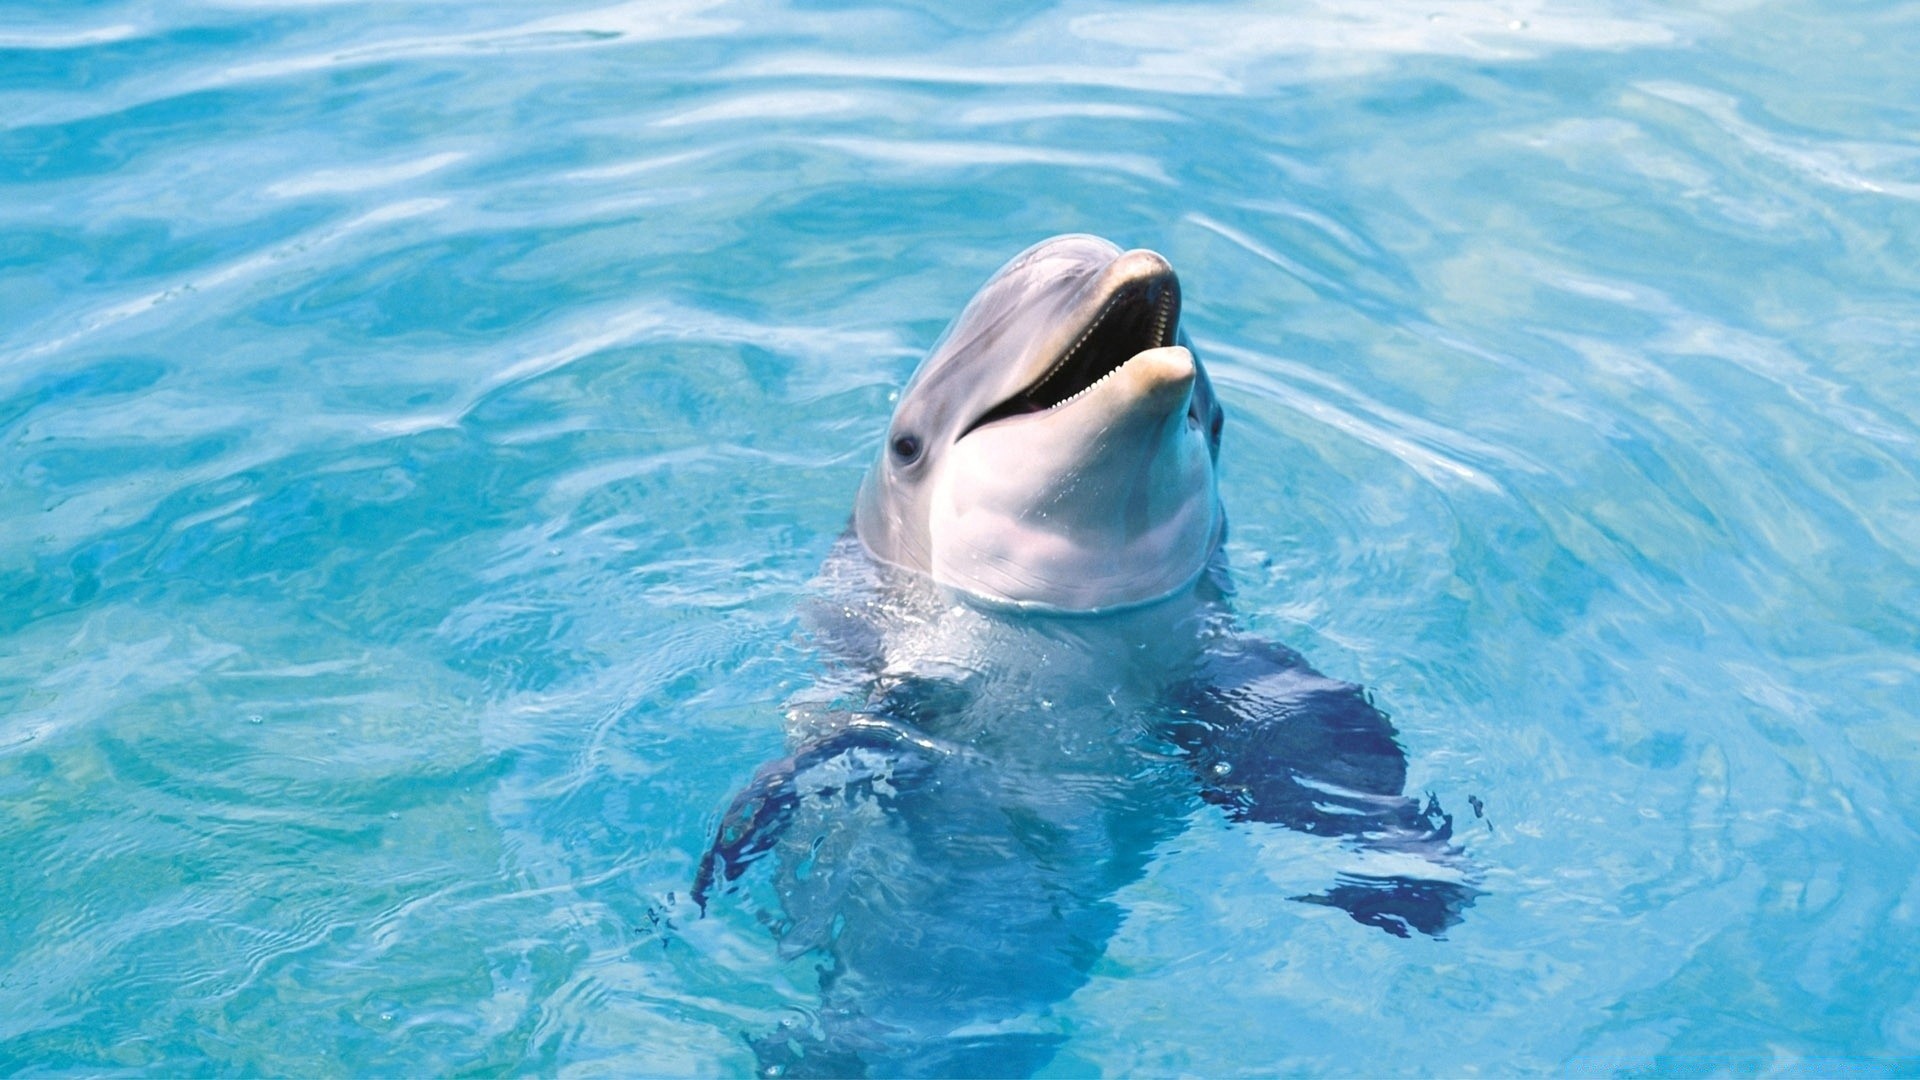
[{"x": 1141, "y": 312}]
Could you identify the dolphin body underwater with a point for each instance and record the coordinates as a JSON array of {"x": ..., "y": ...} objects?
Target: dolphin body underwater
[{"x": 1032, "y": 671}]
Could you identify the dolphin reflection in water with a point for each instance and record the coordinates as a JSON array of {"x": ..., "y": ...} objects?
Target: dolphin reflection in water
[{"x": 1032, "y": 671}]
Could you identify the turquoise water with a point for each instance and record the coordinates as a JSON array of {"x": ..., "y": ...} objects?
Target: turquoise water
[{"x": 420, "y": 426}]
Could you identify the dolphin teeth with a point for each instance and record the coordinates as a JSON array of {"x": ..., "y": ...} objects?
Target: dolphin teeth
[
  {"x": 1079, "y": 343},
  {"x": 1139, "y": 315},
  {"x": 1162, "y": 310},
  {"x": 1089, "y": 389}
]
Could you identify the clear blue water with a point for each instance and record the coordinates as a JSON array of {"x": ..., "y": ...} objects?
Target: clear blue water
[{"x": 419, "y": 427}]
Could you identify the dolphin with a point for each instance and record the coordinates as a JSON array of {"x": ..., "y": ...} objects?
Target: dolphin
[{"x": 1032, "y": 677}]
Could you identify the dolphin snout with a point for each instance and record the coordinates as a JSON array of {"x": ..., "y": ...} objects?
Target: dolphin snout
[{"x": 1140, "y": 264}]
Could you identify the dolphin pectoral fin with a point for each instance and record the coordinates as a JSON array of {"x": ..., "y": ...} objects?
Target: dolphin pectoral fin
[
  {"x": 863, "y": 753},
  {"x": 1272, "y": 740},
  {"x": 753, "y": 822}
]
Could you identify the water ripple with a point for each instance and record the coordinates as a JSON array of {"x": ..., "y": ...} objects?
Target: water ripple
[
  {"x": 252, "y": 266},
  {"x": 1839, "y": 164},
  {"x": 423, "y": 425}
]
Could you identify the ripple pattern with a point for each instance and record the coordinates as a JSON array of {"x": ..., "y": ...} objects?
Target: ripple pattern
[{"x": 420, "y": 424}]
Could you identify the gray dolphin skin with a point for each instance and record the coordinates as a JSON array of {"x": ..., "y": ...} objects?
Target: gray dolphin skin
[{"x": 1032, "y": 678}]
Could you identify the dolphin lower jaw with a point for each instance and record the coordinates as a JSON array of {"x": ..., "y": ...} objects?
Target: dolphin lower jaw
[
  {"x": 1104, "y": 504},
  {"x": 1042, "y": 570}
]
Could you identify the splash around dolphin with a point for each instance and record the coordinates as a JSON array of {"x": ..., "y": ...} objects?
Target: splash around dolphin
[{"x": 1032, "y": 675}]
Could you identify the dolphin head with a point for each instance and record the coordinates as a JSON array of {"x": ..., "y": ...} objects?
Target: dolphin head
[{"x": 1056, "y": 449}]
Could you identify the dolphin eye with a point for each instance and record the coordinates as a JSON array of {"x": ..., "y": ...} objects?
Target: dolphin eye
[
  {"x": 1219, "y": 421},
  {"x": 906, "y": 449}
]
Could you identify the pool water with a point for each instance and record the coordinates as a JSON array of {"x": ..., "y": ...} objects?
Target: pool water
[{"x": 421, "y": 427}]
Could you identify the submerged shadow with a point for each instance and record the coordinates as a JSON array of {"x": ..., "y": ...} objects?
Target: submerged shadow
[{"x": 953, "y": 892}]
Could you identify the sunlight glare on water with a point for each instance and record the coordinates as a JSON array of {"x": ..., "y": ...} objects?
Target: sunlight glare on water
[{"x": 420, "y": 426}]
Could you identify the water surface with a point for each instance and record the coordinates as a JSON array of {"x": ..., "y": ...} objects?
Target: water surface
[{"x": 419, "y": 426}]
